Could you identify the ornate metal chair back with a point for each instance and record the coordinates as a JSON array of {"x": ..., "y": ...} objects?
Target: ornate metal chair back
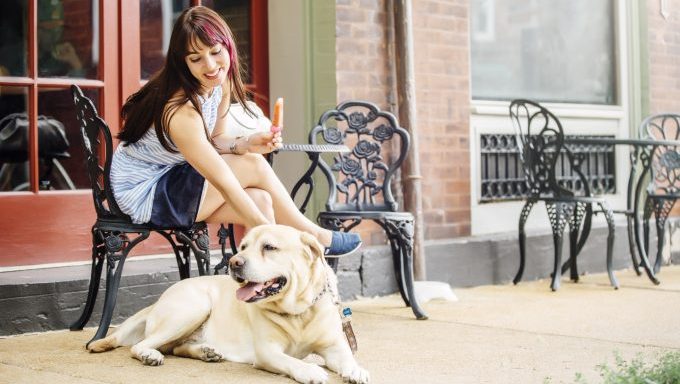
[
  {"x": 540, "y": 139},
  {"x": 93, "y": 130},
  {"x": 360, "y": 180},
  {"x": 665, "y": 160}
]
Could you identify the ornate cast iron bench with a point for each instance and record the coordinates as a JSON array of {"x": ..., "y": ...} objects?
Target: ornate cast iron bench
[
  {"x": 540, "y": 138},
  {"x": 359, "y": 181},
  {"x": 113, "y": 233},
  {"x": 664, "y": 187}
]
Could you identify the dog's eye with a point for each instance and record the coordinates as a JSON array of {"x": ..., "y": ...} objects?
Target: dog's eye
[{"x": 269, "y": 247}]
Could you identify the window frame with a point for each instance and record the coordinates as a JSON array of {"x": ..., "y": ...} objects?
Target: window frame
[{"x": 491, "y": 117}]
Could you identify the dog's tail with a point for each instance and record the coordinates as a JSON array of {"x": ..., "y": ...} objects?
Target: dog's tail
[{"x": 129, "y": 333}]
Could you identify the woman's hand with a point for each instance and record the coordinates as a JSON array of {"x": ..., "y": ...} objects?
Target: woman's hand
[{"x": 264, "y": 142}]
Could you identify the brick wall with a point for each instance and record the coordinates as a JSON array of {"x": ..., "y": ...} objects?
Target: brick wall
[
  {"x": 664, "y": 56},
  {"x": 442, "y": 95},
  {"x": 442, "y": 68},
  {"x": 362, "y": 66}
]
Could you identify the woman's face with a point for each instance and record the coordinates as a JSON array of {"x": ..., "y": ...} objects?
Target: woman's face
[{"x": 209, "y": 65}]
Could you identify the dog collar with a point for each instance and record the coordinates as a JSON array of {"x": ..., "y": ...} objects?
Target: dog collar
[{"x": 326, "y": 289}]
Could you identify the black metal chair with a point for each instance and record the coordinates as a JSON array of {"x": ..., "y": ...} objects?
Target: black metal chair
[
  {"x": 540, "y": 139},
  {"x": 113, "y": 234},
  {"x": 365, "y": 174},
  {"x": 664, "y": 187}
]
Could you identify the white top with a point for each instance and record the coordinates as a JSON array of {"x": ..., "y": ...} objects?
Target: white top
[{"x": 136, "y": 168}]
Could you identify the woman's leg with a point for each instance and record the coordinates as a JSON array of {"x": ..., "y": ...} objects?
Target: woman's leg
[
  {"x": 253, "y": 171},
  {"x": 226, "y": 214}
]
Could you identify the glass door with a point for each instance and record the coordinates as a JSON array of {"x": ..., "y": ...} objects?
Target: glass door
[{"x": 45, "y": 46}]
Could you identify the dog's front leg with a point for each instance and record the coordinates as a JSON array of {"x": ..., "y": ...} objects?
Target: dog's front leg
[
  {"x": 339, "y": 359},
  {"x": 271, "y": 357}
]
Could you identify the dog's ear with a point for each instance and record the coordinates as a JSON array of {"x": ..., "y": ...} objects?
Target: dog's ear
[{"x": 315, "y": 247}]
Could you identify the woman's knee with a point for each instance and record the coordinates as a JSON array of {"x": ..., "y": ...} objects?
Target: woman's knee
[
  {"x": 256, "y": 162},
  {"x": 263, "y": 200}
]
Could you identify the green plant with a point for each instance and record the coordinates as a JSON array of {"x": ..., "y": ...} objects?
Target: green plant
[{"x": 665, "y": 371}]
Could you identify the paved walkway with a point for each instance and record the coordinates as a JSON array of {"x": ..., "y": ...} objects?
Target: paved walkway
[{"x": 493, "y": 334}]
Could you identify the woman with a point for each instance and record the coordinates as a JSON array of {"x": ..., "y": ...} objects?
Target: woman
[{"x": 177, "y": 164}]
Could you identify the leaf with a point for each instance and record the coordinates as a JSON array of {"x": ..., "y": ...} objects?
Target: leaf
[{"x": 380, "y": 165}]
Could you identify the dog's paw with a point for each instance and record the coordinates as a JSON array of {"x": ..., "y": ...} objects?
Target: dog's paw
[
  {"x": 209, "y": 354},
  {"x": 151, "y": 357},
  {"x": 311, "y": 374},
  {"x": 355, "y": 375}
]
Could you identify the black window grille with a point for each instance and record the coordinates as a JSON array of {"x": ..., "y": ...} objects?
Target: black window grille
[{"x": 503, "y": 177}]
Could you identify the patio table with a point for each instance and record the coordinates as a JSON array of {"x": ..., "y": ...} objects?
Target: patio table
[{"x": 640, "y": 155}]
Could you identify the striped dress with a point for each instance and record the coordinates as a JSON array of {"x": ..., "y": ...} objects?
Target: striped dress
[{"x": 136, "y": 168}]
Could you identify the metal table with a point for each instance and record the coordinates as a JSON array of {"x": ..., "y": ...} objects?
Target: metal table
[{"x": 642, "y": 150}]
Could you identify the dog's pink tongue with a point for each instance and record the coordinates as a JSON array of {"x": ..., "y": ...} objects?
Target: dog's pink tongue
[{"x": 249, "y": 290}]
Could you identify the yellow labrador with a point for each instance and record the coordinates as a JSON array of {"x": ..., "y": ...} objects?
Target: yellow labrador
[{"x": 277, "y": 307}]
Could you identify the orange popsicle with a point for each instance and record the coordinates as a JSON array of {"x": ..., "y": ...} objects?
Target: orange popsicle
[{"x": 277, "y": 121}]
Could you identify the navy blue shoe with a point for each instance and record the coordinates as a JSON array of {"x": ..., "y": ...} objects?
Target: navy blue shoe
[{"x": 343, "y": 243}]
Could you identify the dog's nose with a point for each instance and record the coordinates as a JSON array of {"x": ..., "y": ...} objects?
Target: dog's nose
[{"x": 236, "y": 263}]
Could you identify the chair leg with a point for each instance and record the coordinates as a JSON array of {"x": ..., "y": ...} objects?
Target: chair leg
[
  {"x": 396, "y": 261},
  {"x": 647, "y": 213},
  {"x": 98, "y": 254},
  {"x": 522, "y": 239},
  {"x": 559, "y": 214},
  {"x": 197, "y": 240},
  {"x": 402, "y": 230},
  {"x": 643, "y": 249},
  {"x": 609, "y": 216},
  {"x": 181, "y": 255},
  {"x": 662, "y": 208},
  {"x": 223, "y": 234},
  {"x": 574, "y": 246},
  {"x": 118, "y": 246},
  {"x": 631, "y": 244}
]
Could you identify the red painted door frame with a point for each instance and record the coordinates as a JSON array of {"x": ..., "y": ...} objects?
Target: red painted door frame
[{"x": 54, "y": 226}]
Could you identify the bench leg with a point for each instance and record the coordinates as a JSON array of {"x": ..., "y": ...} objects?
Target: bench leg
[
  {"x": 98, "y": 254},
  {"x": 182, "y": 255},
  {"x": 118, "y": 246},
  {"x": 198, "y": 241},
  {"x": 526, "y": 210},
  {"x": 402, "y": 232},
  {"x": 559, "y": 214}
]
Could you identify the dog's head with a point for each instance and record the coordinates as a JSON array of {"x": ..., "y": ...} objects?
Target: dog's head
[{"x": 279, "y": 266}]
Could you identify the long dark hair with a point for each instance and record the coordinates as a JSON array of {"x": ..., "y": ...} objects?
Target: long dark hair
[{"x": 147, "y": 106}]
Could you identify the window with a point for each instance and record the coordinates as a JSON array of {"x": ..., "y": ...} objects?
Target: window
[
  {"x": 35, "y": 84},
  {"x": 545, "y": 50}
]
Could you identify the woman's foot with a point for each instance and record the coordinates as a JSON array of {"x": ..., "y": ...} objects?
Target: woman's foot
[{"x": 343, "y": 243}]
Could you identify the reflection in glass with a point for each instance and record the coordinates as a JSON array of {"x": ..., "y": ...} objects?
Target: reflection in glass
[
  {"x": 237, "y": 15},
  {"x": 156, "y": 19},
  {"x": 13, "y": 38},
  {"x": 13, "y": 139},
  {"x": 67, "y": 38},
  {"x": 62, "y": 160},
  {"x": 547, "y": 50}
]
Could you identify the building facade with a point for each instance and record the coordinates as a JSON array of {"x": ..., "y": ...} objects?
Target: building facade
[{"x": 601, "y": 66}]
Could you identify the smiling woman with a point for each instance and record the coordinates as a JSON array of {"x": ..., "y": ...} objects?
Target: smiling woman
[{"x": 178, "y": 164}]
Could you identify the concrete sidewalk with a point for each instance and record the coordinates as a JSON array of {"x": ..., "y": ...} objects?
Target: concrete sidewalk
[{"x": 493, "y": 334}]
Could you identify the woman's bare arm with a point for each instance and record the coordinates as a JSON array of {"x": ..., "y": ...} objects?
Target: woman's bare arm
[{"x": 186, "y": 131}]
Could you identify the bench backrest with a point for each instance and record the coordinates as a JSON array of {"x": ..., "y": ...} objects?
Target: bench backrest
[
  {"x": 98, "y": 145},
  {"x": 665, "y": 160},
  {"x": 360, "y": 180}
]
